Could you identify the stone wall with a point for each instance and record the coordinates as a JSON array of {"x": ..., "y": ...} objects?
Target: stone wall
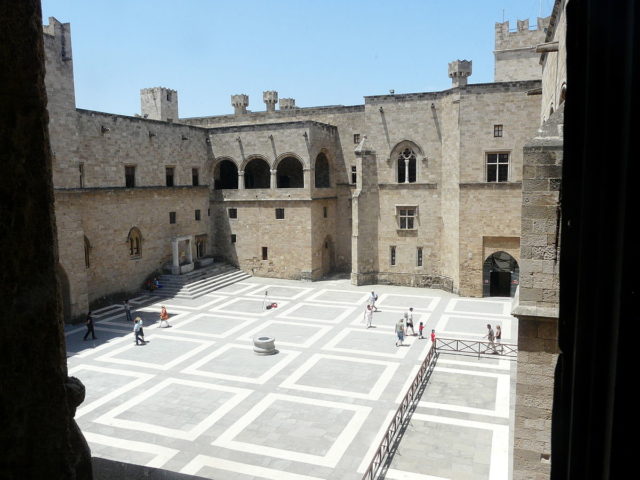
[
  {"x": 554, "y": 64},
  {"x": 515, "y": 55}
]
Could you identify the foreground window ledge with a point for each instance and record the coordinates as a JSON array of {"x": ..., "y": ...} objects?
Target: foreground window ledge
[{"x": 492, "y": 185}]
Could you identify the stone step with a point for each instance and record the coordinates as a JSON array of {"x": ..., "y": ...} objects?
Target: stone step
[{"x": 208, "y": 280}]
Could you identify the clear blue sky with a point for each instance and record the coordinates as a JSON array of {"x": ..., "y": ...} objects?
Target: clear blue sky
[{"x": 323, "y": 52}]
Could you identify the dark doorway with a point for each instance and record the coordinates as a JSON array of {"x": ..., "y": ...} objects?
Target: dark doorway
[
  {"x": 322, "y": 175},
  {"x": 226, "y": 175},
  {"x": 500, "y": 275},
  {"x": 499, "y": 284}
]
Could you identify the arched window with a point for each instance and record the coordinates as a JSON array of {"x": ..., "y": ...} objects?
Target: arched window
[
  {"x": 134, "y": 241},
  {"x": 257, "y": 174},
  {"x": 289, "y": 173},
  {"x": 322, "y": 172},
  {"x": 87, "y": 251},
  {"x": 407, "y": 166},
  {"x": 225, "y": 176}
]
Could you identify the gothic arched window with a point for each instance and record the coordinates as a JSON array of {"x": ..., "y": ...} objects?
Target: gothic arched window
[
  {"x": 134, "y": 241},
  {"x": 407, "y": 166}
]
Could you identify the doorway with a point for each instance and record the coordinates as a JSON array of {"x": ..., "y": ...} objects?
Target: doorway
[{"x": 500, "y": 275}]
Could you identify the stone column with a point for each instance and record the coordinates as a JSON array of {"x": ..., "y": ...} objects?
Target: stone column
[
  {"x": 190, "y": 250},
  {"x": 306, "y": 175},
  {"x": 274, "y": 179},
  {"x": 176, "y": 256},
  {"x": 406, "y": 170},
  {"x": 240, "y": 179}
]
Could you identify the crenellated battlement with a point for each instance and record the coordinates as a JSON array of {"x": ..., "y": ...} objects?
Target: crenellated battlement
[
  {"x": 159, "y": 103},
  {"x": 515, "y": 56},
  {"x": 523, "y": 36}
]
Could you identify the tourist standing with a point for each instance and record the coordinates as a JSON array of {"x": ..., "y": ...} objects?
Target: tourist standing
[
  {"x": 400, "y": 332},
  {"x": 164, "y": 317},
  {"x": 127, "y": 310},
  {"x": 420, "y": 329},
  {"x": 138, "y": 331},
  {"x": 409, "y": 318},
  {"x": 368, "y": 315},
  {"x": 499, "y": 338},
  {"x": 372, "y": 301},
  {"x": 89, "y": 323},
  {"x": 433, "y": 337}
]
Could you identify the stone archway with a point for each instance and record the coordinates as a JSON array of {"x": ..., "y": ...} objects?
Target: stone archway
[
  {"x": 500, "y": 275},
  {"x": 225, "y": 175},
  {"x": 290, "y": 173}
]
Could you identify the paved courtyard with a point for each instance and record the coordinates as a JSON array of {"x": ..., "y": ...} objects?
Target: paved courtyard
[{"x": 196, "y": 399}]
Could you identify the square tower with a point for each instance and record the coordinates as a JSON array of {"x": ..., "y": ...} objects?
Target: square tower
[{"x": 159, "y": 103}]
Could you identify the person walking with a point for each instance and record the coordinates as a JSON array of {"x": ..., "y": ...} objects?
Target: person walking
[
  {"x": 491, "y": 337},
  {"x": 138, "y": 331},
  {"x": 164, "y": 317},
  {"x": 127, "y": 310},
  {"x": 433, "y": 337},
  {"x": 499, "y": 339},
  {"x": 400, "y": 332},
  {"x": 372, "y": 301},
  {"x": 409, "y": 320},
  {"x": 89, "y": 323},
  {"x": 368, "y": 315}
]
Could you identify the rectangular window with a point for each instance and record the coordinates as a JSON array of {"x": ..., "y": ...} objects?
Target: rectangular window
[
  {"x": 279, "y": 213},
  {"x": 130, "y": 176},
  {"x": 356, "y": 138},
  {"x": 81, "y": 171},
  {"x": 233, "y": 238},
  {"x": 208, "y": 212},
  {"x": 392, "y": 255},
  {"x": 169, "y": 174},
  {"x": 195, "y": 177},
  {"x": 354, "y": 174},
  {"x": 233, "y": 213},
  {"x": 172, "y": 217},
  {"x": 497, "y": 167},
  {"x": 407, "y": 218},
  {"x": 497, "y": 130},
  {"x": 324, "y": 212},
  {"x": 265, "y": 253},
  {"x": 198, "y": 215},
  {"x": 419, "y": 257}
]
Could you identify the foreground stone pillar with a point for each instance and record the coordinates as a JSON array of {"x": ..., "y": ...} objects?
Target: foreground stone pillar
[{"x": 39, "y": 436}]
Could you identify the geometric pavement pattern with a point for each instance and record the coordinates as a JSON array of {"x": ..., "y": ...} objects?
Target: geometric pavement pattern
[{"x": 196, "y": 399}]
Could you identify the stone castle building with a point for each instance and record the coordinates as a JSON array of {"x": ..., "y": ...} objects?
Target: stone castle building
[{"x": 420, "y": 189}]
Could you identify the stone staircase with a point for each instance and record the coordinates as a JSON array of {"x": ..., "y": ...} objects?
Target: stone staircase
[{"x": 199, "y": 282}]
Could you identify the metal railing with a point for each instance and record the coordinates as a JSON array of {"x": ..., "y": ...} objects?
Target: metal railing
[
  {"x": 441, "y": 344},
  {"x": 399, "y": 417},
  {"x": 476, "y": 347}
]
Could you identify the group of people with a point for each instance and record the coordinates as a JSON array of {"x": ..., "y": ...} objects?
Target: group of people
[
  {"x": 402, "y": 326},
  {"x": 495, "y": 339},
  {"x": 138, "y": 329}
]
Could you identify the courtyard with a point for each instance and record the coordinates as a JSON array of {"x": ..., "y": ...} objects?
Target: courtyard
[{"x": 197, "y": 400}]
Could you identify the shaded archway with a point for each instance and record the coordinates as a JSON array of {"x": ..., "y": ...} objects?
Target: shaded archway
[
  {"x": 257, "y": 174},
  {"x": 500, "y": 275},
  {"x": 322, "y": 171},
  {"x": 328, "y": 258},
  {"x": 65, "y": 292},
  {"x": 225, "y": 175},
  {"x": 289, "y": 173}
]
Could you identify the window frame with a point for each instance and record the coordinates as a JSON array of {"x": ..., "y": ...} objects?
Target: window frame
[
  {"x": 170, "y": 175},
  {"x": 498, "y": 130},
  {"x": 419, "y": 257},
  {"x": 195, "y": 177},
  {"x": 279, "y": 212},
  {"x": 265, "y": 253},
  {"x": 130, "y": 176},
  {"x": 393, "y": 260},
  {"x": 232, "y": 213},
  {"x": 497, "y": 163},
  {"x": 197, "y": 215},
  {"x": 410, "y": 219},
  {"x": 173, "y": 218}
]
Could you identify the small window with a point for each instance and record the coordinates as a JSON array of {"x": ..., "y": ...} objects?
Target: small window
[
  {"x": 354, "y": 174},
  {"x": 233, "y": 238},
  {"x": 419, "y": 257},
  {"x": 168, "y": 96},
  {"x": 130, "y": 176},
  {"x": 197, "y": 215},
  {"x": 497, "y": 167},
  {"x": 81, "y": 172},
  {"x": 497, "y": 130},
  {"x": 407, "y": 166},
  {"x": 87, "y": 251},
  {"x": 172, "y": 217},
  {"x": 169, "y": 174},
  {"x": 233, "y": 213},
  {"x": 265, "y": 253},
  {"x": 324, "y": 212},
  {"x": 356, "y": 138},
  {"x": 279, "y": 213},
  {"x": 195, "y": 177},
  {"x": 392, "y": 255},
  {"x": 406, "y": 218},
  {"x": 208, "y": 212}
]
